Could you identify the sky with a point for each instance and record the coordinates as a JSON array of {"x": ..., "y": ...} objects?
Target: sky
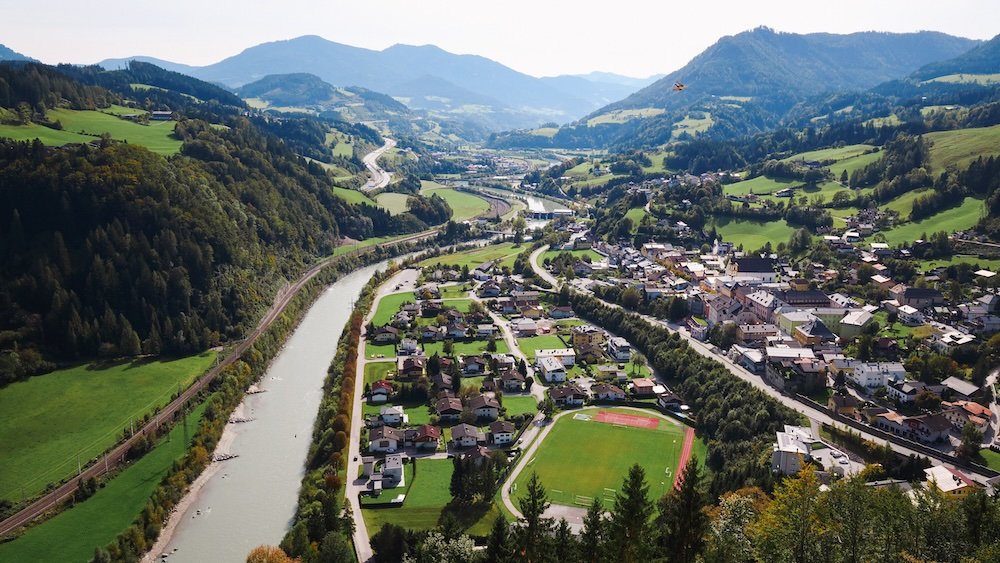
[{"x": 538, "y": 37}]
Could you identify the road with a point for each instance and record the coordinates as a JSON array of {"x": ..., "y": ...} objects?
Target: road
[
  {"x": 815, "y": 416},
  {"x": 116, "y": 456},
  {"x": 379, "y": 177}
]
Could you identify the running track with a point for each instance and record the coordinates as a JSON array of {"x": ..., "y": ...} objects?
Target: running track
[{"x": 685, "y": 455}]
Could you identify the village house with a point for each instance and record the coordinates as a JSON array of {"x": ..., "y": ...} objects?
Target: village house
[
  {"x": 552, "y": 369},
  {"x": 642, "y": 387},
  {"x": 568, "y": 395},
  {"x": 485, "y": 331},
  {"x": 906, "y": 391},
  {"x": 590, "y": 354},
  {"x": 489, "y": 289},
  {"x": 562, "y": 312},
  {"x": 386, "y": 335},
  {"x": 949, "y": 481},
  {"x": 853, "y": 323},
  {"x": 607, "y": 392},
  {"x": 466, "y": 436},
  {"x": 512, "y": 382},
  {"x": 408, "y": 347},
  {"x": 524, "y": 327},
  {"x": 385, "y": 439},
  {"x": 791, "y": 449},
  {"x": 846, "y": 405},
  {"x": 473, "y": 365},
  {"x": 532, "y": 312},
  {"x": 755, "y": 333},
  {"x": 502, "y": 432},
  {"x": 619, "y": 349},
  {"x": 423, "y": 437},
  {"x": 587, "y": 334},
  {"x": 393, "y": 415},
  {"x": 484, "y": 407},
  {"x": 524, "y": 298},
  {"x": 759, "y": 268},
  {"x": 566, "y": 356},
  {"x": 380, "y": 392},
  {"x": 920, "y": 297},
  {"x": 813, "y": 333},
  {"x": 410, "y": 367},
  {"x": 960, "y": 413},
  {"x": 428, "y": 291},
  {"x": 448, "y": 409}
]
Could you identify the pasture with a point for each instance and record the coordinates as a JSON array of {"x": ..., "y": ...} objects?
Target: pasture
[
  {"x": 158, "y": 136},
  {"x": 464, "y": 205},
  {"x": 833, "y": 153},
  {"x": 392, "y": 202},
  {"x": 354, "y": 197},
  {"x": 505, "y": 253},
  {"x": 759, "y": 185},
  {"x": 752, "y": 234},
  {"x": 624, "y": 116},
  {"x": 853, "y": 163},
  {"x": 962, "y": 146},
  {"x": 73, "y": 534},
  {"x": 585, "y": 459},
  {"x": 950, "y": 220},
  {"x": 50, "y": 419}
]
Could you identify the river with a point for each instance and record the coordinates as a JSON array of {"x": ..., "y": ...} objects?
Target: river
[{"x": 251, "y": 499}]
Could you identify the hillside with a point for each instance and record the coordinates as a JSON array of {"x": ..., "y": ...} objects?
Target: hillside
[
  {"x": 303, "y": 91},
  {"x": 747, "y": 82},
  {"x": 424, "y": 77},
  {"x": 983, "y": 59},
  {"x": 8, "y": 54},
  {"x": 128, "y": 257}
]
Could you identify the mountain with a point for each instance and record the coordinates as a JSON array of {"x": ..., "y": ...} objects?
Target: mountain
[
  {"x": 424, "y": 77},
  {"x": 612, "y": 78},
  {"x": 745, "y": 83},
  {"x": 119, "y": 64},
  {"x": 984, "y": 59},
  {"x": 8, "y": 54},
  {"x": 594, "y": 91}
]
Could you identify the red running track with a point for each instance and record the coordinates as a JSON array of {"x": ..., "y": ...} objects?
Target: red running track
[{"x": 685, "y": 455}]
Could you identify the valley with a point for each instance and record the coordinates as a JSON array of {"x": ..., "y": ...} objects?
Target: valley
[{"x": 322, "y": 302}]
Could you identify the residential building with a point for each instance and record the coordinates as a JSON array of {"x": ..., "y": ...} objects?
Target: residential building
[
  {"x": 813, "y": 333},
  {"x": 607, "y": 392},
  {"x": 759, "y": 268},
  {"x": 380, "y": 392},
  {"x": 568, "y": 395},
  {"x": 393, "y": 415},
  {"x": 920, "y": 297},
  {"x": 951, "y": 482},
  {"x": 410, "y": 366},
  {"x": 473, "y": 365},
  {"x": 524, "y": 327},
  {"x": 466, "y": 436},
  {"x": 587, "y": 334},
  {"x": 846, "y": 405},
  {"x": 566, "y": 356},
  {"x": 386, "y": 335},
  {"x": 960, "y": 413},
  {"x": 448, "y": 409},
  {"x": 853, "y": 323},
  {"x": 907, "y": 391},
  {"x": 552, "y": 369},
  {"x": 642, "y": 387},
  {"x": 484, "y": 407},
  {"x": 792, "y": 448},
  {"x": 961, "y": 389},
  {"x": 502, "y": 432},
  {"x": 423, "y": 437},
  {"x": 909, "y": 315},
  {"x": 619, "y": 349},
  {"x": 385, "y": 439},
  {"x": 758, "y": 333}
]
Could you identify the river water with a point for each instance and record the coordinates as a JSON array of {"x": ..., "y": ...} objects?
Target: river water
[{"x": 251, "y": 500}]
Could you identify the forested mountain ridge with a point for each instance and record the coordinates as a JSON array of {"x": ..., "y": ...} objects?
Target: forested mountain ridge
[
  {"x": 111, "y": 250},
  {"x": 746, "y": 83},
  {"x": 8, "y": 54}
]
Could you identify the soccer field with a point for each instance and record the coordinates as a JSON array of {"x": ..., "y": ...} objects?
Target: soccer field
[{"x": 583, "y": 459}]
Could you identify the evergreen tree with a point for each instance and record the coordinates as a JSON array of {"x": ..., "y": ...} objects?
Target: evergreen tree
[
  {"x": 335, "y": 549},
  {"x": 629, "y": 529},
  {"x": 535, "y": 533},
  {"x": 594, "y": 533},
  {"x": 500, "y": 544},
  {"x": 682, "y": 521}
]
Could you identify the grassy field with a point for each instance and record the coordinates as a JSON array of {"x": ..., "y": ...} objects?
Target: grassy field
[
  {"x": 47, "y": 136},
  {"x": 464, "y": 205},
  {"x": 550, "y": 254},
  {"x": 426, "y": 500},
  {"x": 962, "y": 146},
  {"x": 854, "y": 163},
  {"x": 759, "y": 185},
  {"x": 987, "y": 263},
  {"x": 158, "y": 136},
  {"x": 991, "y": 457},
  {"x": 834, "y": 153},
  {"x": 904, "y": 203},
  {"x": 656, "y": 157},
  {"x": 51, "y": 418},
  {"x": 531, "y": 344},
  {"x": 544, "y": 132},
  {"x": 950, "y": 220},
  {"x": 375, "y": 371},
  {"x": 983, "y": 79},
  {"x": 354, "y": 196},
  {"x": 389, "y": 305},
  {"x": 392, "y": 202},
  {"x": 520, "y": 404},
  {"x": 73, "y": 534},
  {"x": 505, "y": 252},
  {"x": 692, "y": 125},
  {"x": 465, "y": 348},
  {"x": 636, "y": 214},
  {"x": 590, "y": 459},
  {"x": 417, "y": 412},
  {"x": 752, "y": 234},
  {"x": 624, "y": 116}
]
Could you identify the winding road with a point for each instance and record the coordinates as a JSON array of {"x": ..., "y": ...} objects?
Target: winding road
[
  {"x": 113, "y": 459},
  {"x": 379, "y": 177}
]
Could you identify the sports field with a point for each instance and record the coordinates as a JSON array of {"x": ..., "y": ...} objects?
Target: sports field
[
  {"x": 583, "y": 458},
  {"x": 51, "y": 418}
]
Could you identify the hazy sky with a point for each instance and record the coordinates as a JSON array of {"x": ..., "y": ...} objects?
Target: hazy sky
[{"x": 538, "y": 37}]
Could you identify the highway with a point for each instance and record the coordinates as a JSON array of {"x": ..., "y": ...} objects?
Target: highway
[
  {"x": 379, "y": 177},
  {"x": 814, "y": 415},
  {"x": 116, "y": 456}
]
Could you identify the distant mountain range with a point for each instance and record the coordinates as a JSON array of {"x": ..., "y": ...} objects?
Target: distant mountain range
[
  {"x": 8, "y": 54},
  {"x": 423, "y": 77},
  {"x": 747, "y": 82}
]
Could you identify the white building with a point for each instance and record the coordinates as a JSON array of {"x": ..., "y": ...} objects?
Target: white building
[
  {"x": 619, "y": 349},
  {"x": 552, "y": 369},
  {"x": 565, "y": 356}
]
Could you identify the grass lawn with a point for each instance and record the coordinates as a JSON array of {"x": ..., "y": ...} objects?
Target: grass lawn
[
  {"x": 389, "y": 305},
  {"x": 459, "y": 291},
  {"x": 50, "y": 418},
  {"x": 531, "y": 344},
  {"x": 464, "y": 205},
  {"x": 636, "y": 214},
  {"x": 158, "y": 136},
  {"x": 464, "y": 348},
  {"x": 752, "y": 234},
  {"x": 991, "y": 457},
  {"x": 520, "y": 404},
  {"x": 759, "y": 185},
  {"x": 392, "y": 202},
  {"x": 590, "y": 459},
  {"x": 355, "y": 197},
  {"x": 950, "y": 220},
  {"x": 962, "y": 146},
  {"x": 73, "y": 534},
  {"x": 422, "y": 508},
  {"x": 418, "y": 413},
  {"x": 375, "y": 371},
  {"x": 505, "y": 252},
  {"x": 374, "y": 350},
  {"x": 550, "y": 254}
]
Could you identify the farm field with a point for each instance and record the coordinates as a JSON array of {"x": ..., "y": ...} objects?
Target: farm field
[
  {"x": 545, "y": 131},
  {"x": 586, "y": 458},
  {"x": 950, "y": 220},
  {"x": 853, "y": 163},
  {"x": 505, "y": 252},
  {"x": 759, "y": 185},
  {"x": 904, "y": 203},
  {"x": 354, "y": 196},
  {"x": 47, "y": 136},
  {"x": 968, "y": 78},
  {"x": 392, "y": 202},
  {"x": 158, "y": 136},
  {"x": 531, "y": 344},
  {"x": 464, "y": 205},
  {"x": 962, "y": 146},
  {"x": 752, "y": 234},
  {"x": 72, "y": 535},
  {"x": 49, "y": 419},
  {"x": 692, "y": 125},
  {"x": 834, "y": 153}
]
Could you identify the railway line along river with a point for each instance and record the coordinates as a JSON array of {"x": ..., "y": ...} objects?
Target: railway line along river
[{"x": 250, "y": 499}]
